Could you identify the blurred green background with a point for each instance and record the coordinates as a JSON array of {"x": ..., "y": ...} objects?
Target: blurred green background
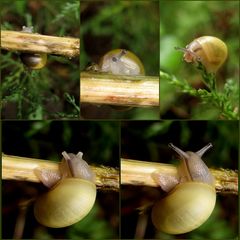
[
  {"x": 180, "y": 23},
  {"x": 99, "y": 142},
  {"x": 148, "y": 141},
  {"x": 131, "y": 25},
  {"x": 53, "y": 91}
]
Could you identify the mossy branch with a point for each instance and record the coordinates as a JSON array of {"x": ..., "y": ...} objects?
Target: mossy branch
[
  {"x": 135, "y": 172},
  {"x": 119, "y": 90},
  {"x": 37, "y": 43},
  {"x": 21, "y": 169}
]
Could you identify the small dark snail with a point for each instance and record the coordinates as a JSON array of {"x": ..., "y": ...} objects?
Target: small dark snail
[
  {"x": 33, "y": 60},
  {"x": 72, "y": 192},
  {"x": 191, "y": 197},
  {"x": 210, "y": 51}
]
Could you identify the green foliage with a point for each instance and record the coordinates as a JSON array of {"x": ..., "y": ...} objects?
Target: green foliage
[
  {"x": 69, "y": 13},
  {"x": 76, "y": 112},
  {"x": 15, "y": 89},
  {"x": 224, "y": 103}
]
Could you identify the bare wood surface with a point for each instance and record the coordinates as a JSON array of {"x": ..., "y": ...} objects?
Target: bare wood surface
[
  {"x": 135, "y": 172},
  {"x": 37, "y": 43},
  {"x": 21, "y": 169},
  {"x": 119, "y": 90}
]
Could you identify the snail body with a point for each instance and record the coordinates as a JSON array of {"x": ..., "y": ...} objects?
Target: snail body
[
  {"x": 123, "y": 62},
  {"x": 119, "y": 62},
  {"x": 71, "y": 196},
  {"x": 210, "y": 51},
  {"x": 191, "y": 196},
  {"x": 33, "y": 60}
]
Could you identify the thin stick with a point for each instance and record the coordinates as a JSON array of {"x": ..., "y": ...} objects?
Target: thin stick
[
  {"x": 21, "y": 169},
  {"x": 135, "y": 172},
  {"x": 37, "y": 43},
  {"x": 21, "y": 219},
  {"x": 119, "y": 90}
]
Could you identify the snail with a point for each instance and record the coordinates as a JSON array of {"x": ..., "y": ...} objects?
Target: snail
[
  {"x": 72, "y": 192},
  {"x": 191, "y": 196},
  {"x": 210, "y": 51},
  {"x": 119, "y": 61},
  {"x": 33, "y": 60}
]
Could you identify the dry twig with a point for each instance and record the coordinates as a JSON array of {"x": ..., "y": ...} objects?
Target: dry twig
[
  {"x": 37, "y": 43},
  {"x": 119, "y": 90},
  {"x": 21, "y": 169},
  {"x": 135, "y": 172}
]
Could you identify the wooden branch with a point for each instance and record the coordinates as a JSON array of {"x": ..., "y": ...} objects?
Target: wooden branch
[
  {"x": 21, "y": 169},
  {"x": 135, "y": 172},
  {"x": 37, "y": 43},
  {"x": 119, "y": 90}
]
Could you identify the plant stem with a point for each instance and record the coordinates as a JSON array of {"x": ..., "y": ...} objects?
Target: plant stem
[
  {"x": 21, "y": 169},
  {"x": 37, "y": 43},
  {"x": 119, "y": 90},
  {"x": 218, "y": 99},
  {"x": 208, "y": 78},
  {"x": 135, "y": 172}
]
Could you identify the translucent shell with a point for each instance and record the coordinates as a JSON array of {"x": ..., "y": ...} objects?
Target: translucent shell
[
  {"x": 185, "y": 208},
  {"x": 66, "y": 203},
  {"x": 122, "y": 62},
  {"x": 34, "y": 60},
  {"x": 210, "y": 51}
]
